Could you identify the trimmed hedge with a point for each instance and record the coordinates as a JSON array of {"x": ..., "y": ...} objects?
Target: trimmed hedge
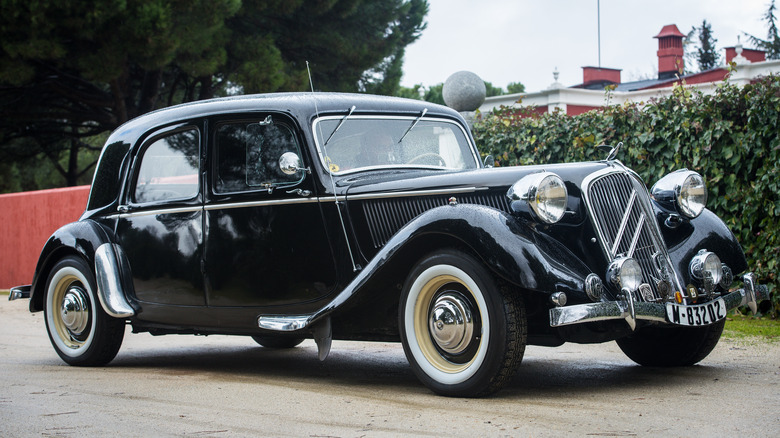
[{"x": 731, "y": 137}]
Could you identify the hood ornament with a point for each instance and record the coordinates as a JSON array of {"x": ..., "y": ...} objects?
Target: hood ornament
[{"x": 614, "y": 151}]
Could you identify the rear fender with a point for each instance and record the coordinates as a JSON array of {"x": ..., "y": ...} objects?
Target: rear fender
[{"x": 83, "y": 239}]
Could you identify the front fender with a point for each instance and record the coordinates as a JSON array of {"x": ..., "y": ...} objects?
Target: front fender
[
  {"x": 81, "y": 238},
  {"x": 512, "y": 249},
  {"x": 709, "y": 232}
]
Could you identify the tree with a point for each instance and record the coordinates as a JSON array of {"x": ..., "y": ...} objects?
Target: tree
[
  {"x": 706, "y": 54},
  {"x": 70, "y": 70},
  {"x": 771, "y": 45},
  {"x": 515, "y": 87}
]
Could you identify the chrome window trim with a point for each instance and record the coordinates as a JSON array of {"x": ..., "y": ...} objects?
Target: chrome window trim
[{"x": 326, "y": 168}]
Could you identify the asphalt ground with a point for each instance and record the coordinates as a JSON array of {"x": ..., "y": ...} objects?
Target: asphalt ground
[{"x": 220, "y": 386}]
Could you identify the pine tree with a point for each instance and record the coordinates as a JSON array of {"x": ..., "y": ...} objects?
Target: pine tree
[
  {"x": 771, "y": 45},
  {"x": 707, "y": 55}
]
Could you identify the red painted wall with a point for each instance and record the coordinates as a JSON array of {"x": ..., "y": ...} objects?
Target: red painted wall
[{"x": 27, "y": 220}]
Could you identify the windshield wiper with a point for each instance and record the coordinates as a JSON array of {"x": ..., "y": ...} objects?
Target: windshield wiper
[
  {"x": 351, "y": 110},
  {"x": 417, "y": 120}
]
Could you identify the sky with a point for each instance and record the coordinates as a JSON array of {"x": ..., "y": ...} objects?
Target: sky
[{"x": 524, "y": 41}]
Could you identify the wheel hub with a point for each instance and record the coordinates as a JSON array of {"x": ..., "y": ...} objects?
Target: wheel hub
[
  {"x": 75, "y": 309},
  {"x": 451, "y": 323}
]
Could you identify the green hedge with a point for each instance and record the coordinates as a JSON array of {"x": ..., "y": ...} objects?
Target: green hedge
[{"x": 731, "y": 137}]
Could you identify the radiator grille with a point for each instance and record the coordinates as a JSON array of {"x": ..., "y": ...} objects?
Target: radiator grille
[
  {"x": 386, "y": 216},
  {"x": 623, "y": 219}
]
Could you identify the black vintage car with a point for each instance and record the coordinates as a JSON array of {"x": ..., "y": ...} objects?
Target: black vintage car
[{"x": 337, "y": 216}]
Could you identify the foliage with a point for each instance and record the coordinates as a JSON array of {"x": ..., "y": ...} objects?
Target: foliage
[
  {"x": 730, "y": 137},
  {"x": 515, "y": 87},
  {"x": 771, "y": 45},
  {"x": 71, "y": 70},
  {"x": 706, "y": 54},
  {"x": 434, "y": 94}
]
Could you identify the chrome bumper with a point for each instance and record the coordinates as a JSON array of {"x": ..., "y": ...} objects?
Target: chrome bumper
[
  {"x": 19, "y": 292},
  {"x": 631, "y": 311}
]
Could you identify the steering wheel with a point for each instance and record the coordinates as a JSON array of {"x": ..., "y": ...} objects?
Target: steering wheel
[{"x": 426, "y": 156}]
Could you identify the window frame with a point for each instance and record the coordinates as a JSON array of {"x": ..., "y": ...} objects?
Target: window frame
[
  {"x": 138, "y": 161},
  {"x": 278, "y": 119}
]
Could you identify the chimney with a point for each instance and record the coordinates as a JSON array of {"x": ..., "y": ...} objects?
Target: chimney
[
  {"x": 670, "y": 52},
  {"x": 599, "y": 77}
]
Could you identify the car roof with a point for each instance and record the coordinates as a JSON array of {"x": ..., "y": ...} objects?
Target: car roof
[{"x": 304, "y": 106}]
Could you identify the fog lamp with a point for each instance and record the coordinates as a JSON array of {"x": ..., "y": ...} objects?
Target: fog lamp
[
  {"x": 625, "y": 272},
  {"x": 706, "y": 263}
]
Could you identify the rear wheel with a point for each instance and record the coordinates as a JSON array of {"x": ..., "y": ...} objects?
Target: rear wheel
[
  {"x": 80, "y": 330},
  {"x": 277, "y": 341},
  {"x": 462, "y": 334},
  {"x": 671, "y": 346}
]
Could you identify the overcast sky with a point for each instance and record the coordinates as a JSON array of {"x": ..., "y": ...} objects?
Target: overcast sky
[{"x": 506, "y": 41}]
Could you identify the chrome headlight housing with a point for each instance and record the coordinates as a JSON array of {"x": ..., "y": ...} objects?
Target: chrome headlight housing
[
  {"x": 706, "y": 263},
  {"x": 625, "y": 273},
  {"x": 684, "y": 190},
  {"x": 544, "y": 192}
]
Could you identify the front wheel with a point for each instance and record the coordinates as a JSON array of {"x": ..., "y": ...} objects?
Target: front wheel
[
  {"x": 463, "y": 335},
  {"x": 671, "y": 346},
  {"x": 80, "y": 330}
]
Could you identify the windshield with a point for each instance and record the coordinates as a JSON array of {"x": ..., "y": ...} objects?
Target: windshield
[{"x": 366, "y": 142}]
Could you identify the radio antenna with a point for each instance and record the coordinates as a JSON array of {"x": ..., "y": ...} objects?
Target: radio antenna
[{"x": 355, "y": 267}]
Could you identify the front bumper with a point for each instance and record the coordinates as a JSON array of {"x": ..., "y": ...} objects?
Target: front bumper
[{"x": 631, "y": 311}]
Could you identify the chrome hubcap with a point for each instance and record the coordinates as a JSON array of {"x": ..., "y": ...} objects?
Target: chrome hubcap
[
  {"x": 451, "y": 323},
  {"x": 74, "y": 309}
]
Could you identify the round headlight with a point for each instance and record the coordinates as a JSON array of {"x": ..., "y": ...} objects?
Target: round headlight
[
  {"x": 692, "y": 195},
  {"x": 625, "y": 273},
  {"x": 707, "y": 263},
  {"x": 544, "y": 192},
  {"x": 683, "y": 190}
]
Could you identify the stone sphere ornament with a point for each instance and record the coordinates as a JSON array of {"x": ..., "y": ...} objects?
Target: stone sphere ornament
[{"x": 464, "y": 91}]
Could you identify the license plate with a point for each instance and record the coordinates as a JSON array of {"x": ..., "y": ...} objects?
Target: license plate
[{"x": 698, "y": 314}]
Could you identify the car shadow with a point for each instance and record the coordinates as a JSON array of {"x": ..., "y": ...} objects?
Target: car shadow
[{"x": 375, "y": 366}]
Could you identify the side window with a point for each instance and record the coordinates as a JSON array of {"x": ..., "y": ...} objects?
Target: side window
[
  {"x": 169, "y": 168},
  {"x": 248, "y": 155}
]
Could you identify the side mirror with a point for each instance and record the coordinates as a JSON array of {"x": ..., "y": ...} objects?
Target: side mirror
[
  {"x": 290, "y": 164},
  {"x": 489, "y": 161}
]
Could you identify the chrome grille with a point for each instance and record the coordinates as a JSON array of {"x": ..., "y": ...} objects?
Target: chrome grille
[
  {"x": 620, "y": 210},
  {"x": 386, "y": 216}
]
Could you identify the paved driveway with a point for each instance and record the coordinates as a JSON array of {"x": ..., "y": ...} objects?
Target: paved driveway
[{"x": 227, "y": 386}]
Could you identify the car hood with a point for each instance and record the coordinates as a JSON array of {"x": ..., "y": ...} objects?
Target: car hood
[{"x": 498, "y": 177}]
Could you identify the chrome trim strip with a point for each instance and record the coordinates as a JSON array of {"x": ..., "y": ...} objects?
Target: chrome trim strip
[
  {"x": 386, "y": 195},
  {"x": 161, "y": 211},
  {"x": 623, "y": 224},
  {"x": 634, "y": 240},
  {"x": 290, "y": 201},
  {"x": 108, "y": 276}
]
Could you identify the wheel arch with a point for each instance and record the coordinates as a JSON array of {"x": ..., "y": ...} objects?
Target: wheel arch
[
  {"x": 79, "y": 239},
  {"x": 511, "y": 250}
]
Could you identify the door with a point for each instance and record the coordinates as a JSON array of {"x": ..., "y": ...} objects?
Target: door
[
  {"x": 160, "y": 227},
  {"x": 265, "y": 242}
]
